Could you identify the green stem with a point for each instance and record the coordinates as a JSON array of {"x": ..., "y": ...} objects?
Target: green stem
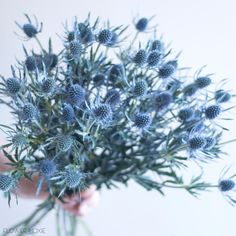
[
  {"x": 227, "y": 142},
  {"x": 39, "y": 43},
  {"x": 85, "y": 226}
]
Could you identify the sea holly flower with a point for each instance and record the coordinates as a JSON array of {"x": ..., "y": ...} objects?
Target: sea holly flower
[
  {"x": 7, "y": 183},
  {"x": 162, "y": 101},
  {"x": 76, "y": 94},
  {"x": 104, "y": 36},
  {"x": 68, "y": 114},
  {"x": 140, "y": 88},
  {"x": 113, "y": 98},
  {"x": 212, "y": 112},
  {"x": 166, "y": 70},
  {"x": 30, "y": 29},
  {"x": 226, "y": 185},
  {"x": 186, "y": 114},
  {"x": 140, "y": 58},
  {"x": 222, "y": 96},
  {"x": 142, "y": 120},
  {"x": 102, "y": 113},
  {"x": 142, "y": 24},
  {"x": 203, "y": 82}
]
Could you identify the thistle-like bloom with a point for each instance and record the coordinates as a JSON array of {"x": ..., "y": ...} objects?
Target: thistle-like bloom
[
  {"x": 48, "y": 85},
  {"x": 116, "y": 73},
  {"x": 141, "y": 24},
  {"x": 153, "y": 58},
  {"x": 103, "y": 113},
  {"x": 157, "y": 45},
  {"x": 113, "y": 98},
  {"x": 68, "y": 113},
  {"x": 76, "y": 49},
  {"x": 86, "y": 35},
  {"x": 226, "y": 185},
  {"x": 142, "y": 120},
  {"x": 162, "y": 101},
  {"x": 203, "y": 82},
  {"x": 76, "y": 94},
  {"x": 30, "y": 29},
  {"x": 166, "y": 71},
  {"x": 140, "y": 57},
  {"x": 99, "y": 79},
  {"x": 186, "y": 114},
  {"x": 73, "y": 178},
  {"x": 140, "y": 88},
  {"x": 19, "y": 140},
  {"x": 29, "y": 112},
  {"x": 222, "y": 96},
  {"x": 7, "y": 182},
  {"x": 13, "y": 85},
  {"x": 197, "y": 142},
  {"x": 210, "y": 143},
  {"x": 47, "y": 168},
  {"x": 212, "y": 112},
  {"x": 64, "y": 142},
  {"x": 105, "y": 36}
]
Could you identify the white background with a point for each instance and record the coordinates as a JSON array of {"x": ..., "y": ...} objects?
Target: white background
[{"x": 205, "y": 31}]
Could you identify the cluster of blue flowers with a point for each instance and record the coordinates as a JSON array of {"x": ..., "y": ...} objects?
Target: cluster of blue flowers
[{"x": 102, "y": 113}]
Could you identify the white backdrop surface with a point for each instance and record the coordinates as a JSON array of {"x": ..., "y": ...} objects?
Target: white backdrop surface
[{"x": 205, "y": 31}]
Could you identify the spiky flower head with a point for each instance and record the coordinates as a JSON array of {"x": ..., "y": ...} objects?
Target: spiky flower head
[
  {"x": 72, "y": 35},
  {"x": 197, "y": 142},
  {"x": 142, "y": 120},
  {"x": 68, "y": 113},
  {"x": 140, "y": 57},
  {"x": 29, "y": 112},
  {"x": 157, "y": 45},
  {"x": 113, "y": 97},
  {"x": 19, "y": 140},
  {"x": 13, "y": 85},
  {"x": 162, "y": 100},
  {"x": 116, "y": 72},
  {"x": 75, "y": 48},
  {"x": 86, "y": 35},
  {"x": 48, "y": 85},
  {"x": 76, "y": 94},
  {"x": 186, "y": 114},
  {"x": 47, "y": 168},
  {"x": 212, "y": 112},
  {"x": 222, "y": 96},
  {"x": 210, "y": 143},
  {"x": 203, "y": 82},
  {"x": 31, "y": 63},
  {"x": 99, "y": 79},
  {"x": 226, "y": 185},
  {"x": 50, "y": 60},
  {"x": 73, "y": 178},
  {"x": 30, "y": 30},
  {"x": 103, "y": 113},
  {"x": 64, "y": 142},
  {"x": 141, "y": 24},
  {"x": 166, "y": 71},
  {"x": 153, "y": 58},
  {"x": 104, "y": 36},
  {"x": 7, "y": 182},
  {"x": 140, "y": 88}
]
